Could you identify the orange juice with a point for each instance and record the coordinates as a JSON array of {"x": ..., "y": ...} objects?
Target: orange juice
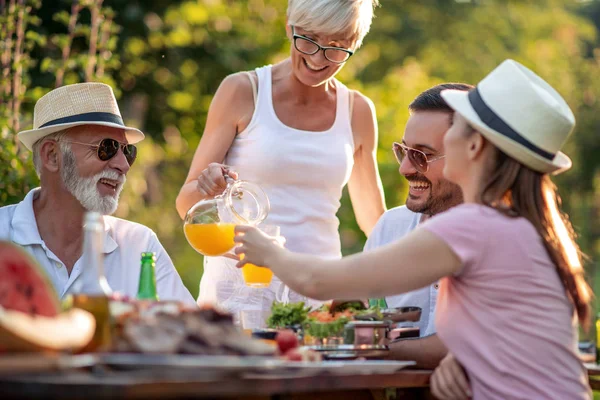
[
  {"x": 257, "y": 277},
  {"x": 210, "y": 239}
]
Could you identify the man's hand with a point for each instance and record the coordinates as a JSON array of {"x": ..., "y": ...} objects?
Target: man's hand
[{"x": 449, "y": 381}]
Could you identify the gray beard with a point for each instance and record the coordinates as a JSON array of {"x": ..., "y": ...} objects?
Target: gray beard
[{"x": 85, "y": 189}]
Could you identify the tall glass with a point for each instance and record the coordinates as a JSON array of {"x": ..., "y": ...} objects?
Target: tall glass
[{"x": 257, "y": 276}]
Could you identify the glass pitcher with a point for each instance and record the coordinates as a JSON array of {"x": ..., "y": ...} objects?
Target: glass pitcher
[{"x": 209, "y": 225}]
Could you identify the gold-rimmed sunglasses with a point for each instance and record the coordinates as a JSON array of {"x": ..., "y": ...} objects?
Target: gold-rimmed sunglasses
[{"x": 416, "y": 157}]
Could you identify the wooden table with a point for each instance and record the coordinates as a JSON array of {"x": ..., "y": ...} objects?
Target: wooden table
[
  {"x": 593, "y": 371},
  {"x": 108, "y": 384},
  {"x": 100, "y": 383}
]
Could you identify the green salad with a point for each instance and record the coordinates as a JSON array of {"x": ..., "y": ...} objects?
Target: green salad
[
  {"x": 322, "y": 322},
  {"x": 287, "y": 315}
]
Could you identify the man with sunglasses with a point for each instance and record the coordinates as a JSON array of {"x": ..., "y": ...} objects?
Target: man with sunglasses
[
  {"x": 421, "y": 159},
  {"x": 82, "y": 152}
]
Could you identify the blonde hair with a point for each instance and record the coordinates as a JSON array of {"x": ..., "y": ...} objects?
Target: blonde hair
[{"x": 333, "y": 16}]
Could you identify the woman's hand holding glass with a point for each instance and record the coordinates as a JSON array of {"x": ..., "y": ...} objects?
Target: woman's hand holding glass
[
  {"x": 212, "y": 181},
  {"x": 256, "y": 246}
]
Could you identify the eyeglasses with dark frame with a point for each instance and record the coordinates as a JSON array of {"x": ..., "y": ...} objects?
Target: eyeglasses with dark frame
[
  {"x": 108, "y": 148},
  {"x": 416, "y": 157},
  {"x": 309, "y": 47}
]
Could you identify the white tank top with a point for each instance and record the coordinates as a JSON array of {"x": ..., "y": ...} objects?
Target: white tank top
[{"x": 303, "y": 173}]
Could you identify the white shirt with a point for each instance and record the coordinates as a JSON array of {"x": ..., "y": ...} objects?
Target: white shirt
[
  {"x": 393, "y": 225},
  {"x": 124, "y": 241}
]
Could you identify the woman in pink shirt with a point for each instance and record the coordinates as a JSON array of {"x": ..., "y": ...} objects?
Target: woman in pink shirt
[{"x": 514, "y": 286}]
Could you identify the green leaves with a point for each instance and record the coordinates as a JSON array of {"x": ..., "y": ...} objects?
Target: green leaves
[
  {"x": 165, "y": 61},
  {"x": 287, "y": 315}
]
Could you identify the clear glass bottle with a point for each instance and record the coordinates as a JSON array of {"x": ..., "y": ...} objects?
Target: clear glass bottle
[
  {"x": 147, "y": 285},
  {"x": 91, "y": 290}
]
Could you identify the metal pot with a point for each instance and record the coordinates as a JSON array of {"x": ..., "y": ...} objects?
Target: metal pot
[{"x": 367, "y": 332}]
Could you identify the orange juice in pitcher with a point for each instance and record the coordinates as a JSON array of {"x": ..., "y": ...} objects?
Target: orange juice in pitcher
[
  {"x": 209, "y": 225},
  {"x": 210, "y": 239}
]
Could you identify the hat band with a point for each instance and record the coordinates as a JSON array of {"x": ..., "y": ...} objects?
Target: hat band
[
  {"x": 491, "y": 119},
  {"x": 87, "y": 117}
]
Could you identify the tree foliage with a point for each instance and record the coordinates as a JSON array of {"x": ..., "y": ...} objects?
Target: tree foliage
[{"x": 166, "y": 59}]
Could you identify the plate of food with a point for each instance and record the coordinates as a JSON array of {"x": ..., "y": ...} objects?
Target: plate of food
[
  {"x": 197, "y": 363},
  {"x": 342, "y": 324},
  {"x": 206, "y": 332},
  {"x": 350, "y": 351},
  {"x": 354, "y": 367},
  {"x": 367, "y": 367}
]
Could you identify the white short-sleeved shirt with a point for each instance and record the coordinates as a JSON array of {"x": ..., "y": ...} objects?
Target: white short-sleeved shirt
[
  {"x": 124, "y": 241},
  {"x": 393, "y": 225}
]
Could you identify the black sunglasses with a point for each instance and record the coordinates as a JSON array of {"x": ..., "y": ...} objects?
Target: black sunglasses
[
  {"x": 416, "y": 157},
  {"x": 309, "y": 47},
  {"x": 108, "y": 148}
]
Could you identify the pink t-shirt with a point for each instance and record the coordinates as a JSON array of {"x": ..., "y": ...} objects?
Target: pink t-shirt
[{"x": 505, "y": 315}]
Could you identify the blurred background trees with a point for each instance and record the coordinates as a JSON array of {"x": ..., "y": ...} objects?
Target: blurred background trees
[{"x": 165, "y": 61}]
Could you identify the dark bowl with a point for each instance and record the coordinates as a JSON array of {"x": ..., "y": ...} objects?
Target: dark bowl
[{"x": 267, "y": 334}]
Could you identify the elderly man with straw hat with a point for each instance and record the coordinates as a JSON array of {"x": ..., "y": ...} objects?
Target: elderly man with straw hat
[{"x": 82, "y": 152}]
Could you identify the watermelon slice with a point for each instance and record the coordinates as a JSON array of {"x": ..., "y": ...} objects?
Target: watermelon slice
[
  {"x": 24, "y": 286},
  {"x": 20, "y": 332}
]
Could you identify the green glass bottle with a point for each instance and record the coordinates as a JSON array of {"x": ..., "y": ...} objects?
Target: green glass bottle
[
  {"x": 381, "y": 303},
  {"x": 147, "y": 286}
]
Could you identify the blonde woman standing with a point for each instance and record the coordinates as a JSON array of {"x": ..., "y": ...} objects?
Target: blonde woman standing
[
  {"x": 300, "y": 134},
  {"x": 513, "y": 286}
]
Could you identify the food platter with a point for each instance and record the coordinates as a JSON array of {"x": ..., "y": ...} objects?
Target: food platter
[
  {"x": 366, "y": 367},
  {"x": 200, "y": 365},
  {"x": 219, "y": 366},
  {"x": 209, "y": 367},
  {"x": 351, "y": 352}
]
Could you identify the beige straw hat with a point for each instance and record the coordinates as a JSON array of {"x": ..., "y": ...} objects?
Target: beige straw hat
[
  {"x": 521, "y": 114},
  {"x": 73, "y": 105}
]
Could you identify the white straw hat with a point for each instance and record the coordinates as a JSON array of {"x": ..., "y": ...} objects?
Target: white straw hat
[
  {"x": 73, "y": 105},
  {"x": 519, "y": 113}
]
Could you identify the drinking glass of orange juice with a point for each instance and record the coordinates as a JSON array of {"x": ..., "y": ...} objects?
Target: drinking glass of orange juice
[
  {"x": 209, "y": 225},
  {"x": 257, "y": 276}
]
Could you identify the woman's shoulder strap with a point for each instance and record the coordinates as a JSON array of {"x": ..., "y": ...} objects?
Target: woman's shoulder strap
[{"x": 253, "y": 77}]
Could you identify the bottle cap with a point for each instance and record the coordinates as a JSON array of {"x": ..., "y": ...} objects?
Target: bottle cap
[
  {"x": 93, "y": 220},
  {"x": 149, "y": 255}
]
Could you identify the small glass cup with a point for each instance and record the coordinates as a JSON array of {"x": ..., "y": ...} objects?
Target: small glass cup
[
  {"x": 257, "y": 276},
  {"x": 253, "y": 319}
]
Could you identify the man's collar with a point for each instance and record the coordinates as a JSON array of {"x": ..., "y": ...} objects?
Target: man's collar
[
  {"x": 109, "y": 243},
  {"x": 25, "y": 229}
]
